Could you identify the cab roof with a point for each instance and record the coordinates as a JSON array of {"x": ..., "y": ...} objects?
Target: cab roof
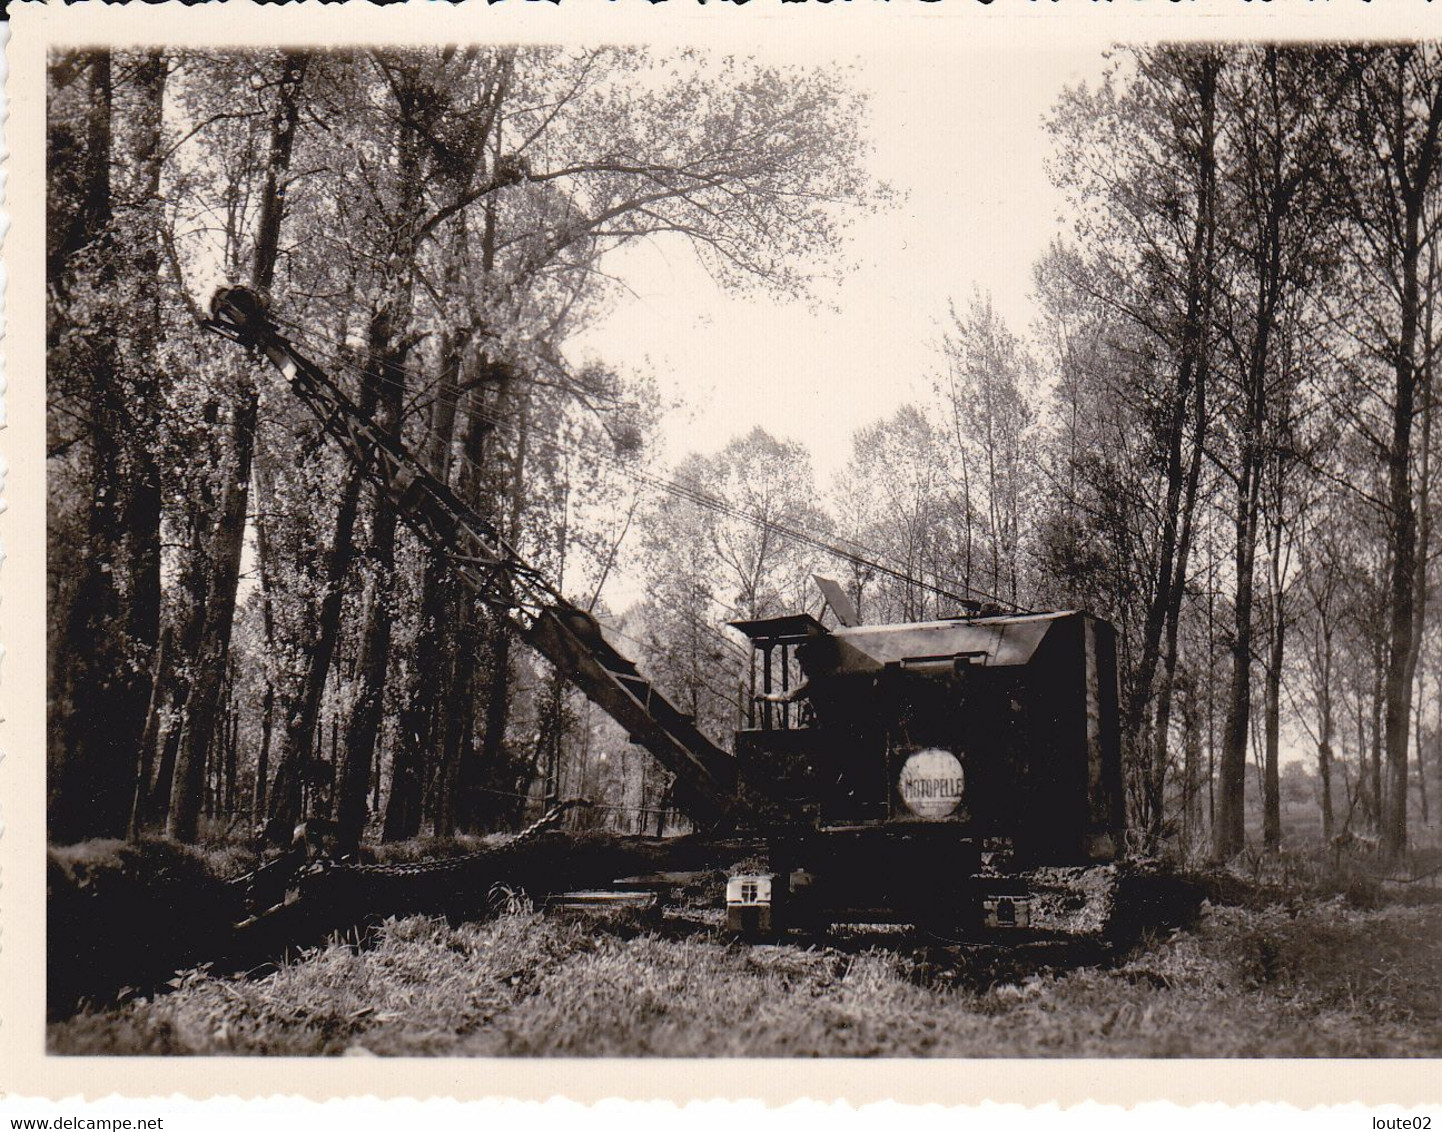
[
  {"x": 998, "y": 639},
  {"x": 788, "y": 628}
]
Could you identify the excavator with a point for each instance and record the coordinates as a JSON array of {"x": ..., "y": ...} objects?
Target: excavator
[{"x": 962, "y": 774}]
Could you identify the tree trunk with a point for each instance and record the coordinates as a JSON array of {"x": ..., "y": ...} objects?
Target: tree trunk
[
  {"x": 462, "y": 643},
  {"x": 1324, "y": 735},
  {"x": 175, "y": 665},
  {"x": 282, "y": 140},
  {"x": 1176, "y": 591},
  {"x": 204, "y": 701},
  {"x": 387, "y": 352},
  {"x": 1229, "y": 836},
  {"x": 1183, "y": 471},
  {"x": 417, "y": 749},
  {"x": 142, "y": 512},
  {"x": 302, "y": 714},
  {"x": 1360, "y": 791},
  {"x": 161, "y": 688},
  {"x": 1271, "y": 778},
  {"x": 502, "y": 637},
  {"x": 552, "y": 737},
  {"x": 1399, "y": 114},
  {"x": 264, "y": 556},
  {"x": 438, "y": 720},
  {"x": 1191, "y": 761},
  {"x": 1277, "y": 605},
  {"x": 457, "y": 733},
  {"x": 262, "y": 758},
  {"x": 1376, "y": 786},
  {"x": 353, "y": 778},
  {"x": 1402, "y": 583},
  {"x": 1230, "y": 832},
  {"x": 470, "y": 633},
  {"x": 1422, "y": 776},
  {"x": 554, "y": 723},
  {"x": 102, "y": 701},
  {"x": 416, "y": 745},
  {"x": 232, "y": 720},
  {"x": 1424, "y": 509}
]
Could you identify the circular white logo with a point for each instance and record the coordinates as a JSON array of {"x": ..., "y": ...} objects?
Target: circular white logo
[{"x": 931, "y": 783}]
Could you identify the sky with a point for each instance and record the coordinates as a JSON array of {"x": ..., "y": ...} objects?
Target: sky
[{"x": 960, "y": 136}]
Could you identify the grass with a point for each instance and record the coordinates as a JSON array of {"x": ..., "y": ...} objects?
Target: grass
[
  {"x": 1316, "y": 978},
  {"x": 1305, "y": 953}
]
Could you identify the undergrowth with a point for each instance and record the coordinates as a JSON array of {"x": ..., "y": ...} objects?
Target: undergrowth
[{"x": 1323, "y": 978}]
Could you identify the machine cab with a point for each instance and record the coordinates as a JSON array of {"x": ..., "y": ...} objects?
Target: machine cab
[{"x": 982, "y": 727}]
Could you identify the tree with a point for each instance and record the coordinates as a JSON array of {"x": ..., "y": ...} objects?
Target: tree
[
  {"x": 1273, "y": 241},
  {"x": 725, "y": 549},
  {"x": 1150, "y": 230},
  {"x": 217, "y": 608},
  {"x": 895, "y": 500},
  {"x": 103, "y": 353},
  {"x": 1387, "y": 176},
  {"x": 986, "y": 395}
]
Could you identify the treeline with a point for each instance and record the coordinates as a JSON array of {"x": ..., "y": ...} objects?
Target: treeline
[
  {"x": 1217, "y": 432},
  {"x": 241, "y": 631}
]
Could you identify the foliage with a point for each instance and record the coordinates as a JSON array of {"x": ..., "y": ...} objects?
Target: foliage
[
  {"x": 1216, "y": 433},
  {"x": 433, "y": 227}
]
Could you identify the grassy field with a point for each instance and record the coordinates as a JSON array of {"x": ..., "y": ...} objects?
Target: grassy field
[{"x": 1308, "y": 977}]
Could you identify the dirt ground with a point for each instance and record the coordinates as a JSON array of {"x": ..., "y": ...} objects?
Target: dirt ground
[{"x": 1314, "y": 978}]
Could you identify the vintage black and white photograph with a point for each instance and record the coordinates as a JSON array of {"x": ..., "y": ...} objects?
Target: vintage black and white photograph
[{"x": 618, "y": 550}]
